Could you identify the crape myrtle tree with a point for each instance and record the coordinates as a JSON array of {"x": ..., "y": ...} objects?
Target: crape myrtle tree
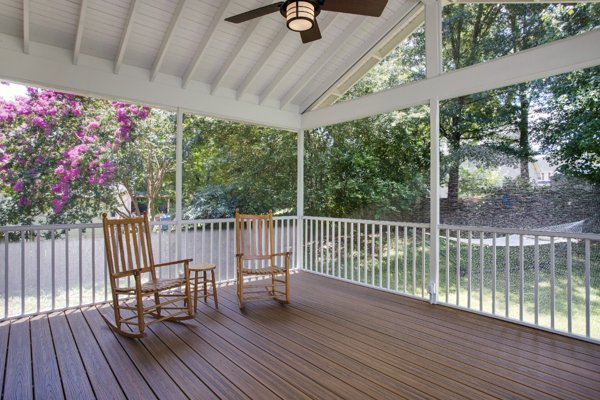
[{"x": 58, "y": 155}]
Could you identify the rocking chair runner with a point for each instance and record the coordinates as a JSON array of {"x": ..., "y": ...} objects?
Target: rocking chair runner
[
  {"x": 256, "y": 257},
  {"x": 129, "y": 255}
]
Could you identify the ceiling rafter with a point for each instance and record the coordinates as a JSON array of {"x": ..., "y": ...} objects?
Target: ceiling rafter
[
  {"x": 388, "y": 36},
  {"x": 169, "y": 34},
  {"x": 217, "y": 19},
  {"x": 324, "y": 60},
  {"x": 264, "y": 58},
  {"x": 292, "y": 61},
  {"x": 233, "y": 56},
  {"x": 79, "y": 35},
  {"x": 126, "y": 33},
  {"x": 26, "y": 26}
]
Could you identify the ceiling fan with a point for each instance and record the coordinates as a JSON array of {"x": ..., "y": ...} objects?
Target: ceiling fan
[{"x": 301, "y": 15}]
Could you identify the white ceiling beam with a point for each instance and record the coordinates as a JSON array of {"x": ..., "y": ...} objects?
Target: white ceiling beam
[
  {"x": 263, "y": 60},
  {"x": 577, "y": 52},
  {"x": 169, "y": 34},
  {"x": 52, "y": 67},
  {"x": 125, "y": 36},
  {"x": 295, "y": 58},
  {"x": 387, "y": 37},
  {"x": 26, "y": 26},
  {"x": 217, "y": 19},
  {"x": 234, "y": 55},
  {"x": 79, "y": 35},
  {"x": 335, "y": 47}
]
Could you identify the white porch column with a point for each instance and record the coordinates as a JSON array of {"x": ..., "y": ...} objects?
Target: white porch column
[
  {"x": 178, "y": 180},
  {"x": 300, "y": 202},
  {"x": 433, "y": 53}
]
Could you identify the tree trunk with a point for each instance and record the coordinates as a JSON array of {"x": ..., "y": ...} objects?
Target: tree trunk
[{"x": 524, "y": 148}]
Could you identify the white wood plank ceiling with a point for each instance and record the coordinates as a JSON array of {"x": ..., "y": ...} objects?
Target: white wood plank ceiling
[
  {"x": 187, "y": 43},
  {"x": 181, "y": 53}
]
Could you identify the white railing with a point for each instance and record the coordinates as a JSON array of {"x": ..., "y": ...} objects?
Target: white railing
[
  {"x": 549, "y": 280},
  {"x": 545, "y": 279},
  {"x": 387, "y": 255},
  {"x": 538, "y": 278},
  {"x": 52, "y": 267}
]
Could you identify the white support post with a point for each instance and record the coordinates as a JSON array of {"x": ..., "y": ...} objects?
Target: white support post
[
  {"x": 178, "y": 179},
  {"x": 433, "y": 53},
  {"x": 434, "y": 194},
  {"x": 300, "y": 203}
]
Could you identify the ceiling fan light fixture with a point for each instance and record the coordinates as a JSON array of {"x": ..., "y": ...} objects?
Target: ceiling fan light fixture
[{"x": 300, "y": 15}]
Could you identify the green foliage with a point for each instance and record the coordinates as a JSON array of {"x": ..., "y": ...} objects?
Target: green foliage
[
  {"x": 478, "y": 181},
  {"x": 250, "y": 167},
  {"x": 374, "y": 168},
  {"x": 570, "y": 131}
]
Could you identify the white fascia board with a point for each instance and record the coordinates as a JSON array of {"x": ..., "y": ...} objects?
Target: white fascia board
[
  {"x": 52, "y": 67},
  {"x": 570, "y": 54}
]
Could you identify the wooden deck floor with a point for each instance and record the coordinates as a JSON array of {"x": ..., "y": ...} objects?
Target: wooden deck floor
[{"x": 335, "y": 340}]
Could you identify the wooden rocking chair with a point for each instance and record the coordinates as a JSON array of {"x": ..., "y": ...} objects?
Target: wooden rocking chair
[
  {"x": 256, "y": 257},
  {"x": 129, "y": 255}
]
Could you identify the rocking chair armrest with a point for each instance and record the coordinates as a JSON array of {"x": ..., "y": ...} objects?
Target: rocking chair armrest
[
  {"x": 133, "y": 272},
  {"x": 285, "y": 253},
  {"x": 184, "y": 261}
]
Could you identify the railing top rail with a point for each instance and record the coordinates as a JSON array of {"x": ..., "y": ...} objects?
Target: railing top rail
[
  {"x": 517, "y": 231},
  {"x": 371, "y": 221},
  {"x": 54, "y": 227}
]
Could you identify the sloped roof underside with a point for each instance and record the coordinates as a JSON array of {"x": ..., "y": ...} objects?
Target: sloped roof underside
[{"x": 181, "y": 53}]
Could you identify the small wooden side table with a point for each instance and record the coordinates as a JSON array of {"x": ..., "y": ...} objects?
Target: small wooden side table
[{"x": 203, "y": 280}]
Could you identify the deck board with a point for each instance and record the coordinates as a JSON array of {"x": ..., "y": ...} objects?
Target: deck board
[
  {"x": 45, "y": 368},
  {"x": 18, "y": 382},
  {"x": 335, "y": 340},
  {"x": 76, "y": 383}
]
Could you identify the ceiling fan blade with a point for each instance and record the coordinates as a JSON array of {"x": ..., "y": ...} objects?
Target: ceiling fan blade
[
  {"x": 312, "y": 34},
  {"x": 371, "y": 8},
  {"x": 258, "y": 12}
]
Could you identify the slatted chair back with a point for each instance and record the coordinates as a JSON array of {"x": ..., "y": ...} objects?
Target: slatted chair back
[
  {"x": 254, "y": 237},
  {"x": 128, "y": 245}
]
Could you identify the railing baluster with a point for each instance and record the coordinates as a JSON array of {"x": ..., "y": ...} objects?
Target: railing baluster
[
  {"x": 507, "y": 273},
  {"x": 424, "y": 262},
  {"x": 570, "y": 285},
  {"x": 53, "y": 247},
  {"x": 380, "y": 255},
  {"x": 447, "y": 264},
  {"x": 414, "y": 261},
  {"x": 219, "y": 263},
  {"x": 536, "y": 261},
  {"x": 352, "y": 251},
  {"x": 6, "y": 276},
  {"x": 93, "y": 265},
  {"x": 321, "y": 246},
  {"x": 38, "y": 269},
  {"x": 494, "y": 273},
  {"x": 80, "y": 266},
  {"x": 469, "y": 266},
  {"x": 587, "y": 288},
  {"x": 405, "y": 257},
  {"x": 67, "y": 266},
  {"x": 366, "y": 253},
  {"x": 339, "y": 250},
  {"x": 227, "y": 241},
  {"x": 522, "y": 276},
  {"x": 552, "y": 281},
  {"x": 327, "y": 253},
  {"x": 396, "y": 259},
  {"x": 373, "y": 254},
  {"x": 22, "y": 272},
  {"x": 458, "y": 246},
  {"x": 481, "y": 271},
  {"x": 345, "y": 250}
]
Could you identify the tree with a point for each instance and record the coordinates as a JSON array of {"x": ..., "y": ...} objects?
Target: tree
[
  {"x": 570, "y": 131},
  {"x": 244, "y": 166},
  {"x": 144, "y": 164},
  {"x": 57, "y": 155}
]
